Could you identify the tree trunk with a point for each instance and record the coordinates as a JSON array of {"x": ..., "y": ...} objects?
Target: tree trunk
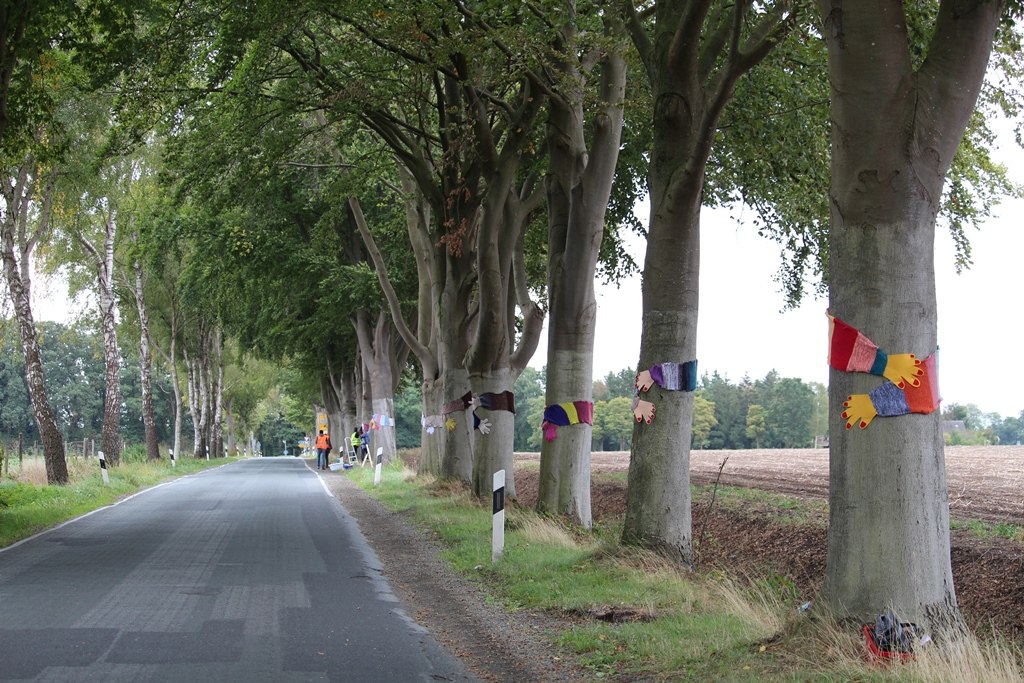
[
  {"x": 432, "y": 432},
  {"x": 658, "y": 496},
  {"x": 377, "y": 350},
  {"x": 894, "y": 135},
  {"x": 658, "y": 493},
  {"x": 217, "y": 399},
  {"x": 345, "y": 386},
  {"x": 332, "y": 409},
  {"x": 146, "y": 367},
  {"x": 176, "y": 383},
  {"x": 692, "y": 67},
  {"x": 195, "y": 400},
  {"x": 492, "y": 451},
  {"x": 452, "y": 292},
  {"x": 229, "y": 419},
  {"x": 171, "y": 358},
  {"x": 578, "y": 189},
  {"x": 104, "y": 263},
  {"x": 53, "y": 443}
]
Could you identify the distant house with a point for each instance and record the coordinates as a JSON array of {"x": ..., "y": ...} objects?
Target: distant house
[{"x": 952, "y": 426}]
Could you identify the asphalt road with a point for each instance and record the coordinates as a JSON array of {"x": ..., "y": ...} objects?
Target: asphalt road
[{"x": 249, "y": 572}]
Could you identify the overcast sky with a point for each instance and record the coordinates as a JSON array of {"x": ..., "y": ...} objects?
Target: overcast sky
[{"x": 741, "y": 330}]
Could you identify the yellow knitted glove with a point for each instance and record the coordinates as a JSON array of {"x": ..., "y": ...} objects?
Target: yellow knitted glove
[
  {"x": 859, "y": 407},
  {"x": 449, "y": 424},
  {"x": 903, "y": 368}
]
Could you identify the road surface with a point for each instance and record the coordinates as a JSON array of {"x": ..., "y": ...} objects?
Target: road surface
[{"x": 249, "y": 572}]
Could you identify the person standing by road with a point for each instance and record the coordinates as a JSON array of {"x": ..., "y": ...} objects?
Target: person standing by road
[
  {"x": 355, "y": 439},
  {"x": 323, "y": 450},
  {"x": 364, "y": 444}
]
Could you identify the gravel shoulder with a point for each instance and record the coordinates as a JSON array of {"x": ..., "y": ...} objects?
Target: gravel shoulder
[{"x": 496, "y": 645}]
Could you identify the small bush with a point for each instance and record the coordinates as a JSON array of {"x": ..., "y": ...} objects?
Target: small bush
[{"x": 134, "y": 453}]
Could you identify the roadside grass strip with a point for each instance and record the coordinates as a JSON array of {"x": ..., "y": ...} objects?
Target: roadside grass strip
[
  {"x": 634, "y": 615},
  {"x": 27, "y": 508}
]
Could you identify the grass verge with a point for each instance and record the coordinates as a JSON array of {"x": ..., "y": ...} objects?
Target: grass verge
[
  {"x": 633, "y": 615},
  {"x": 28, "y": 505}
]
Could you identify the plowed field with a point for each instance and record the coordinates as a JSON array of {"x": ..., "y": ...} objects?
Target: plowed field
[{"x": 985, "y": 483}]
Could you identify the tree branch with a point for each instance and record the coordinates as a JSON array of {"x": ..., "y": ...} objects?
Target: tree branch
[{"x": 426, "y": 358}]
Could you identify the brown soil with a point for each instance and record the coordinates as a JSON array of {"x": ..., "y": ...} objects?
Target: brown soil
[
  {"x": 984, "y": 484},
  {"x": 500, "y": 646}
]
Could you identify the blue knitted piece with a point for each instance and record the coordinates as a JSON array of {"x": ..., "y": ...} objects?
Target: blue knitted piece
[
  {"x": 689, "y": 373},
  {"x": 889, "y": 400},
  {"x": 881, "y": 359}
]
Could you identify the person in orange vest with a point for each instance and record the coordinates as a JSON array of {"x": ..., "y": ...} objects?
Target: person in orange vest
[{"x": 323, "y": 450}]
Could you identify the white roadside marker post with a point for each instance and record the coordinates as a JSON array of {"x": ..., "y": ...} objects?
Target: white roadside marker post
[
  {"x": 498, "y": 518},
  {"x": 173, "y": 461},
  {"x": 103, "y": 469},
  {"x": 380, "y": 462}
]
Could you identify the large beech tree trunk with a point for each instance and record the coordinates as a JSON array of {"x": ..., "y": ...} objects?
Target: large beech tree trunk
[
  {"x": 457, "y": 454},
  {"x": 494, "y": 359},
  {"x": 383, "y": 359},
  {"x": 424, "y": 342},
  {"x": 658, "y": 495},
  {"x": 693, "y": 54},
  {"x": 894, "y": 133},
  {"x": 578, "y": 188},
  {"x": 432, "y": 436}
]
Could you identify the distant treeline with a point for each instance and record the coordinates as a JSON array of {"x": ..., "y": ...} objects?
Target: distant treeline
[
  {"x": 772, "y": 412},
  {"x": 73, "y": 366}
]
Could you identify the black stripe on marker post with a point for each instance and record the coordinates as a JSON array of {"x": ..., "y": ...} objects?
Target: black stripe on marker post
[{"x": 498, "y": 500}]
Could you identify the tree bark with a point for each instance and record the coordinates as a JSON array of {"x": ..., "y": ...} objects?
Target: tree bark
[
  {"x": 693, "y": 60},
  {"x": 379, "y": 358},
  {"x": 171, "y": 358},
  {"x": 17, "y": 195},
  {"x": 145, "y": 366},
  {"x": 578, "y": 189},
  {"x": 230, "y": 446},
  {"x": 894, "y": 133},
  {"x": 432, "y": 431},
  {"x": 494, "y": 360},
  {"x": 217, "y": 409},
  {"x": 104, "y": 264}
]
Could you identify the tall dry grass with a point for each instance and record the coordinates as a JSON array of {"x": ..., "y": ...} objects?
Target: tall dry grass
[
  {"x": 541, "y": 530},
  {"x": 753, "y": 603},
  {"x": 33, "y": 470},
  {"x": 967, "y": 659},
  {"x": 961, "y": 657}
]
